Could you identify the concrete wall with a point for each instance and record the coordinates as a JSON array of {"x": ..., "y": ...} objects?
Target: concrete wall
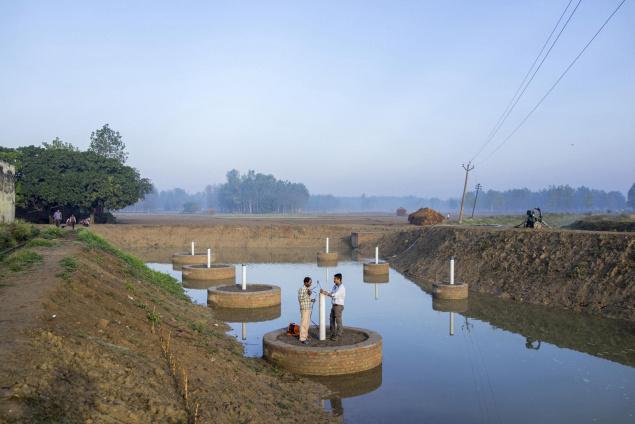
[{"x": 7, "y": 193}]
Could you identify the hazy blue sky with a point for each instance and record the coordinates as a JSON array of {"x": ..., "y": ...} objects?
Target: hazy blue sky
[{"x": 348, "y": 97}]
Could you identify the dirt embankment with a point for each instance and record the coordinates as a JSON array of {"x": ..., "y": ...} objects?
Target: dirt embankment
[
  {"x": 583, "y": 271},
  {"x": 100, "y": 338},
  {"x": 303, "y": 238}
]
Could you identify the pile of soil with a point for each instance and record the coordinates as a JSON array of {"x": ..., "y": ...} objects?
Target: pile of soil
[
  {"x": 100, "y": 341},
  {"x": 425, "y": 216},
  {"x": 348, "y": 338},
  {"x": 622, "y": 223}
]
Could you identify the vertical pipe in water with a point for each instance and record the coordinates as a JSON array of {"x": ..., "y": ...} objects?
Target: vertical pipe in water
[
  {"x": 451, "y": 323},
  {"x": 452, "y": 270},
  {"x": 209, "y": 258},
  {"x": 376, "y": 255},
  {"x": 322, "y": 316},
  {"x": 192, "y": 248},
  {"x": 244, "y": 277},
  {"x": 327, "y": 245}
]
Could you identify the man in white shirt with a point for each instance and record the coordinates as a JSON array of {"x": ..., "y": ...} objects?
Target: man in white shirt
[{"x": 337, "y": 295}]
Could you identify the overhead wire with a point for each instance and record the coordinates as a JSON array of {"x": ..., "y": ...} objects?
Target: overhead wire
[
  {"x": 553, "y": 86},
  {"x": 525, "y": 83}
]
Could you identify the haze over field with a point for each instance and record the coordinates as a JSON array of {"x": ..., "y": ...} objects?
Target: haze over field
[{"x": 362, "y": 97}]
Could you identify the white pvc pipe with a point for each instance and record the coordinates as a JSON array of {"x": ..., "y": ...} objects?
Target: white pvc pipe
[
  {"x": 451, "y": 323},
  {"x": 322, "y": 316},
  {"x": 376, "y": 293},
  {"x": 452, "y": 270},
  {"x": 192, "y": 248},
  {"x": 209, "y": 258},
  {"x": 244, "y": 277},
  {"x": 327, "y": 245},
  {"x": 244, "y": 331},
  {"x": 376, "y": 255}
]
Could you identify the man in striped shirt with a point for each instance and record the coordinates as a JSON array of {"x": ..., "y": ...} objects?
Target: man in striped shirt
[{"x": 306, "y": 304}]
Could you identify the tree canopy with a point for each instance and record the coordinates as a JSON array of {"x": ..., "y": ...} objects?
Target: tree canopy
[
  {"x": 108, "y": 143},
  {"x": 60, "y": 177}
]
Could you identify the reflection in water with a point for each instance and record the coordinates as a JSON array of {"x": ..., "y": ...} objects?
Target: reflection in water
[
  {"x": 348, "y": 386},
  {"x": 532, "y": 344}
]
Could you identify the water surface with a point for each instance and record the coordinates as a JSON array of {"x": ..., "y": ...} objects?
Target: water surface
[{"x": 499, "y": 362}]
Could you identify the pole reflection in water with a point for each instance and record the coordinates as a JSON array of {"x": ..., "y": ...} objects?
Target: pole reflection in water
[
  {"x": 244, "y": 331},
  {"x": 451, "y": 323}
]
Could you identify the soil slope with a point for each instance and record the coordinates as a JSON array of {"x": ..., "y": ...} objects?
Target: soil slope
[
  {"x": 105, "y": 340},
  {"x": 578, "y": 270}
]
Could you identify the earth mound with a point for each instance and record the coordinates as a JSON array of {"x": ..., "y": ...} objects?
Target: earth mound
[{"x": 425, "y": 216}]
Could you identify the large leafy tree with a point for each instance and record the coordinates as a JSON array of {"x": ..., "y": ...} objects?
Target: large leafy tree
[
  {"x": 58, "y": 143},
  {"x": 50, "y": 177},
  {"x": 108, "y": 143}
]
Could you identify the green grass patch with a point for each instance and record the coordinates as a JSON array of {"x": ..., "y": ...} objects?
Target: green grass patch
[
  {"x": 15, "y": 233},
  {"x": 69, "y": 266},
  {"x": 135, "y": 266},
  {"x": 40, "y": 242},
  {"x": 53, "y": 233},
  {"x": 22, "y": 260}
]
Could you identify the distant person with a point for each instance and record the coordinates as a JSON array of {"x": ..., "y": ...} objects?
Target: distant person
[
  {"x": 72, "y": 221},
  {"x": 57, "y": 218},
  {"x": 337, "y": 295},
  {"x": 306, "y": 305},
  {"x": 85, "y": 222}
]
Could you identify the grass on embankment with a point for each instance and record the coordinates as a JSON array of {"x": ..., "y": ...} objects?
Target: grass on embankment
[
  {"x": 22, "y": 260},
  {"x": 136, "y": 267},
  {"x": 553, "y": 219}
]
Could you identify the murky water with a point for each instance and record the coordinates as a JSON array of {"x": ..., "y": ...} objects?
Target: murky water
[{"x": 494, "y": 362}]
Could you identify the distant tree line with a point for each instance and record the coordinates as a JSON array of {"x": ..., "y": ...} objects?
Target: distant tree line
[
  {"x": 250, "y": 193},
  {"x": 60, "y": 176},
  {"x": 258, "y": 193}
]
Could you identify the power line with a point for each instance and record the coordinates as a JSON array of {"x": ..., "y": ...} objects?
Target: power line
[
  {"x": 573, "y": 62},
  {"x": 526, "y": 83}
]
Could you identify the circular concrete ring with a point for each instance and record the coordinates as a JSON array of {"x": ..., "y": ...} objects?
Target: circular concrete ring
[
  {"x": 446, "y": 305},
  {"x": 323, "y": 257},
  {"x": 372, "y": 268},
  {"x": 183, "y": 258},
  {"x": 336, "y": 360},
  {"x": 204, "y": 284},
  {"x": 256, "y": 296},
  {"x": 213, "y": 273},
  {"x": 247, "y": 315},
  {"x": 376, "y": 279},
  {"x": 351, "y": 385},
  {"x": 447, "y": 291}
]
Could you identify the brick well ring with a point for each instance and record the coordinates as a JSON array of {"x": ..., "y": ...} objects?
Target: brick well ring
[
  {"x": 186, "y": 258},
  {"x": 232, "y": 296},
  {"x": 371, "y": 268},
  {"x": 214, "y": 273},
  {"x": 376, "y": 279},
  {"x": 445, "y": 290},
  {"x": 446, "y": 305},
  {"x": 332, "y": 360},
  {"x": 327, "y": 259}
]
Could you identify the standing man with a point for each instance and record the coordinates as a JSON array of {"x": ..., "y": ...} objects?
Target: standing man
[
  {"x": 337, "y": 295},
  {"x": 57, "y": 217},
  {"x": 306, "y": 304}
]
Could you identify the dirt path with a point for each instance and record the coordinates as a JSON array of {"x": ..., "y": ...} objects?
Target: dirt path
[{"x": 22, "y": 296}]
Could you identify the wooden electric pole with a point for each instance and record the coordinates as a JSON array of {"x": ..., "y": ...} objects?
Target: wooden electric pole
[
  {"x": 478, "y": 188},
  {"x": 467, "y": 168}
]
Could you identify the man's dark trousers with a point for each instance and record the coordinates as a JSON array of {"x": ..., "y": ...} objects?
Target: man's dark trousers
[{"x": 336, "y": 320}]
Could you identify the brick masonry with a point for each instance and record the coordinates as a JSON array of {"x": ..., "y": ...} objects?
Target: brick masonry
[
  {"x": 215, "y": 272},
  {"x": 244, "y": 300},
  {"x": 338, "y": 360},
  {"x": 323, "y": 257},
  {"x": 444, "y": 290},
  {"x": 449, "y": 305},
  {"x": 381, "y": 268}
]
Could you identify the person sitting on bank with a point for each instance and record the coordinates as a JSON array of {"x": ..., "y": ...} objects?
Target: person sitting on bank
[
  {"x": 306, "y": 305},
  {"x": 337, "y": 295}
]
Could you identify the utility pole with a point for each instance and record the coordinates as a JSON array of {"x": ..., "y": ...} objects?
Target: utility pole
[
  {"x": 478, "y": 188},
  {"x": 467, "y": 168}
]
